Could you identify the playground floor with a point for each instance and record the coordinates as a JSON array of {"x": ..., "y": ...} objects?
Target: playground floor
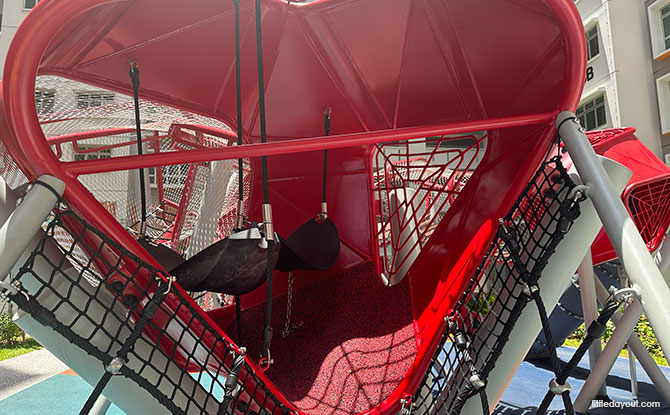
[{"x": 39, "y": 384}]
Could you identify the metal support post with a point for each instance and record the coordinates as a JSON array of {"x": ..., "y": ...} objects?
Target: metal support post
[
  {"x": 587, "y": 290},
  {"x": 628, "y": 244},
  {"x": 609, "y": 355},
  {"x": 555, "y": 279},
  {"x": 662, "y": 258},
  {"x": 100, "y": 406},
  {"x": 623, "y": 278},
  {"x": 24, "y": 222},
  {"x": 121, "y": 390},
  {"x": 635, "y": 345}
]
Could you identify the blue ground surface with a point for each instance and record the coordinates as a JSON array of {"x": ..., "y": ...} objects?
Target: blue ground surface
[
  {"x": 530, "y": 384},
  {"x": 58, "y": 395},
  {"x": 65, "y": 394}
]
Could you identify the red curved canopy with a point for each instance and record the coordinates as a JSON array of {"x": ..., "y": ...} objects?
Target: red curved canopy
[
  {"x": 377, "y": 64},
  {"x": 388, "y": 69}
]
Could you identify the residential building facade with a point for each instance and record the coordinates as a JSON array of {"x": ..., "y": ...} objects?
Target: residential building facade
[
  {"x": 620, "y": 88},
  {"x": 658, "y": 13}
]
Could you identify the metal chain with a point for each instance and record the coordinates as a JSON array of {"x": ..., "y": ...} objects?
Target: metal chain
[{"x": 288, "y": 327}]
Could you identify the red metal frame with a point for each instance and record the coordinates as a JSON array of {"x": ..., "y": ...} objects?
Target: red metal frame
[
  {"x": 421, "y": 171},
  {"x": 444, "y": 91},
  {"x": 291, "y": 146},
  {"x": 646, "y": 196}
]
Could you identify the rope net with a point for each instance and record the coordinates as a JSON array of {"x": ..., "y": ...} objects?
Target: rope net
[
  {"x": 190, "y": 206},
  {"x": 96, "y": 295},
  {"x": 179, "y": 358},
  {"x": 480, "y": 323}
]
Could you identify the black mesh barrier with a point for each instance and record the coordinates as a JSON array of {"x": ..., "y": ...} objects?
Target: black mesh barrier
[
  {"x": 480, "y": 323},
  {"x": 95, "y": 295}
]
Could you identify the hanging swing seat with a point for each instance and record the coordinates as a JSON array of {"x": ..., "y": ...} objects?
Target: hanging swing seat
[
  {"x": 235, "y": 265},
  {"x": 315, "y": 245},
  {"x": 165, "y": 256}
]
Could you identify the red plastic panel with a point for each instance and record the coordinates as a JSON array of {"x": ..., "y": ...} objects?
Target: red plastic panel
[
  {"x": 649, "y": 205},
  {"x": 646, "y": 196}
]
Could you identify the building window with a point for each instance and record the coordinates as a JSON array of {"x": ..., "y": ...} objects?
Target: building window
[
  {"x": 94, "y": 99},
  {"x": 659, "y": 28},
  {"x": 663, "y": 89},
  {"x": 44, "y": 100},
  {"x": 665, "y": 21},
  {"x": 591, "y": 114},
  {"x": 92, "y": 154},
  {"x": 592, "y": 46},
  {"x": 29, "y": 4},
  {"x": 175, "y": 175},
  {"x": 152, "y": 176}
]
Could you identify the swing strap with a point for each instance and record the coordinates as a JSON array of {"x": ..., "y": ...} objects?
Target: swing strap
[
  {"x": 240, "y": 169},
  {"x": 135, "y": 78},
  {"x": 238, "y": 87},
  {"x": 266, "y": 359},
  {"x": 326, "y": 128}
]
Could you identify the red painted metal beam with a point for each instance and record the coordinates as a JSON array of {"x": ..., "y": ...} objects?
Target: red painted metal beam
[{"x": 301, "y": 145}]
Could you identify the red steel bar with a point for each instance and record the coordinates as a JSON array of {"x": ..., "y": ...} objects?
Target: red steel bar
[{"x": 300, "y": 145}]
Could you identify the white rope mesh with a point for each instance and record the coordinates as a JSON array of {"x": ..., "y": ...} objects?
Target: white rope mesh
[{"x": 66, "y": 107}]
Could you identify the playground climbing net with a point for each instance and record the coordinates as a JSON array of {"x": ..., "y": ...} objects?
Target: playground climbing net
[
  {"x": 145, "y": 329},
  {"x": 129, "y": 316},
  {"x": 478, "y": 327}
]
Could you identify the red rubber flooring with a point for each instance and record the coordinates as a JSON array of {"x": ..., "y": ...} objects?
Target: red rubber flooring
[{"x": 354, "y": 347}]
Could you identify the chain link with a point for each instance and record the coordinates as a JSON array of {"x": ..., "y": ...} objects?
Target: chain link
[{"x": 288, "y": 327}]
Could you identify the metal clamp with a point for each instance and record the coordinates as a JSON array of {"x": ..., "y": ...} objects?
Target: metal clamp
[
  {"x": 624, "y": 295},
  {"x": 171, "y": 280},
  {"x": 267, "y": 222},
  {"x": 529, "y": 290},
  {"x": 7, "y": 290},
  {"x": 578, "y": 192},
  {"x": 265, "y": 362},
  {"x": 477, "y": 381},
  {"x": 558, "y": 389},
  {"x": 324, "y": 212},
  {"x": 115, "y": 365},
  {"x": 241, "y": 219},
  {"x": 407, "y": 405}
]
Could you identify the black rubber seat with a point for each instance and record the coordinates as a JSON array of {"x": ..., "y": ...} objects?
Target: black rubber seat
[
  {"x": 235, "y": 265},
  {"x": 313, "y": 246},
  {"x": 165, "y": 256}
]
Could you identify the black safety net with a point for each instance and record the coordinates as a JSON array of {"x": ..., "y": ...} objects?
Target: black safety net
[
  {"x": 127, "y": 314},
  {"x": 480, "y": 323}
]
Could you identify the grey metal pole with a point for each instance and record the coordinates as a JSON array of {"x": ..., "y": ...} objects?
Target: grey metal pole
[
  {"x": 555, "y": 279},
  {"x": 24, "y": 222},
  {"x": 609, "y": 355},
  {"x": 662, "y": 259},
  {"x": 100, "y": 406},
  {"x": 646, "y": 361},
  {"x": 587, "y": 291},
  {"x": 623, "y": 278},
  {"x": 628, "y": 244}
]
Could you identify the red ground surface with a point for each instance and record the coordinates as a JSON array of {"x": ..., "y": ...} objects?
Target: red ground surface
[{"x": 355, "y": 345}]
